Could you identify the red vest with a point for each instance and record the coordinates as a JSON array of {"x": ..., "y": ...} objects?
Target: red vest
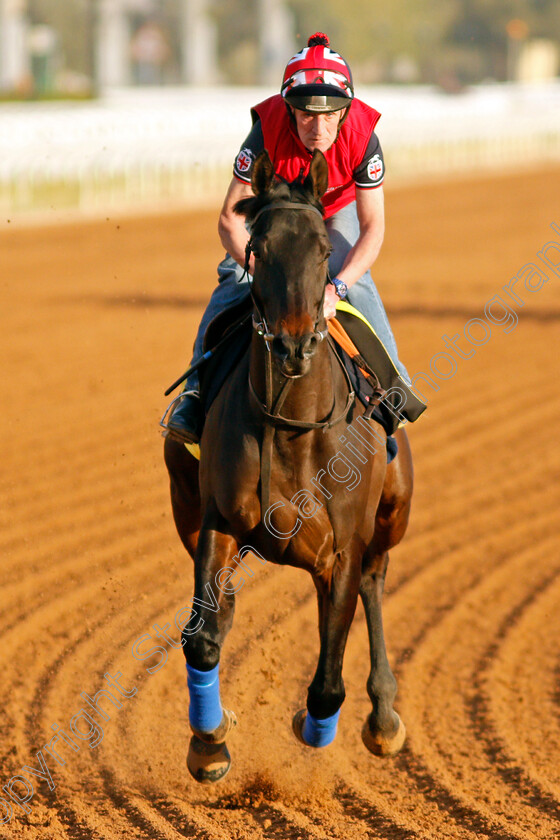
[{"x": 291, "y": 159}]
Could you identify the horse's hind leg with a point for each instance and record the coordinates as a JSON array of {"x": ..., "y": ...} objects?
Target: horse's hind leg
[
  {"x": 383, "y": 732},
  {"x": 203, "y": 636}
]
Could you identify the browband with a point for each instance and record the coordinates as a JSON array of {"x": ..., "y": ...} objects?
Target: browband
[{"x": 285, "y": 205}]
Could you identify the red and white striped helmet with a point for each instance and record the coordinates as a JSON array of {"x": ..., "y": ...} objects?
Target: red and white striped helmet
[{"x": 317, "y": 79}]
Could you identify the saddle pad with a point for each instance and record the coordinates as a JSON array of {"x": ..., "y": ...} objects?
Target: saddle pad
[{"x": 401, "y": 400}]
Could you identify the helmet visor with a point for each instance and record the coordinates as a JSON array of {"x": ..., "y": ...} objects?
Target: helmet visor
[
  {"x": 316, "y": 103},
  {"x": 317, "y": 90}
]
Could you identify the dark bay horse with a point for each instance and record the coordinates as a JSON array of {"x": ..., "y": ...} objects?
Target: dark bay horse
[{"x": 275, "y": 477}]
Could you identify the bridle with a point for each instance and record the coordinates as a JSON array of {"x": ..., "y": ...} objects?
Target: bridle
[
  {"x": 271, "y": 409},
  {"x": 261, "y": 325}
]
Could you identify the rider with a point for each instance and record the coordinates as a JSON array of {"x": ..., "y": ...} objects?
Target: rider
[{"x": 316, "y": 109}]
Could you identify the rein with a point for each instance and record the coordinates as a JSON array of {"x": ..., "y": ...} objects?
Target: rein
[{"x": 271, "y": 411}]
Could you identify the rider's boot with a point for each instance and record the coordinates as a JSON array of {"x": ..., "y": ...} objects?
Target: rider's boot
[{"x": 186, "y": 422}]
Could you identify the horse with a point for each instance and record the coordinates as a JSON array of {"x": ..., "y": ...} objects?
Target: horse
[{"x": 274, "y": 431}]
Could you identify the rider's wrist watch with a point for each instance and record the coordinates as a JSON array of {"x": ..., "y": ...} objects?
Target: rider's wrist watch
[{"x": 340, "y": 288}]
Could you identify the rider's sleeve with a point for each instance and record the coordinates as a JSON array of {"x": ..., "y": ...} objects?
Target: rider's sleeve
[
  {"x": 371, "y": 171},
  {"x": 248, "y": 153}
]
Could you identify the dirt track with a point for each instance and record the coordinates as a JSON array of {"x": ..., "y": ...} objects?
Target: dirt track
[{"x": 97, "y": 320}]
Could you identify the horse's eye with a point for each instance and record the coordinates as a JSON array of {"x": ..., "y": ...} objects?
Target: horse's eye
[{"x": 257, "y": 249}]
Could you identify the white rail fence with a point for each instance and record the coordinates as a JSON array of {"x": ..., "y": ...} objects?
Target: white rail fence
[{"x": 152, "y": 147}]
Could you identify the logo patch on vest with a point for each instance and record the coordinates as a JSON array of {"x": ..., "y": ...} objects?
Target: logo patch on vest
[
  {"x": 375, "y": 169},
  {"x": 244, "y": 160}
]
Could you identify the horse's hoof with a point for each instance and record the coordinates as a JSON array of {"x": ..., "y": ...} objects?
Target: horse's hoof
[
  {"x": 207, "y": 763},
  {"x": 384, "y": 745},
  {"x": 298, "y": 722}
]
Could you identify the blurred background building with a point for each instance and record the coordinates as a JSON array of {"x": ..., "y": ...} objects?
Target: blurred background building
[
  {"x": 90, "y": 45},
  {"x": 81, "y": 45},
  {"x": 151, "y": 97}
]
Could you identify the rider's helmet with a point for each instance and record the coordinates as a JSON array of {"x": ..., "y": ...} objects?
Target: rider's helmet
[{"x": 317, "y": 79}]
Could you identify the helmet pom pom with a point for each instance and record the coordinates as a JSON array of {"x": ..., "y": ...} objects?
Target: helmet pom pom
[{"x": 319, "y": 40}]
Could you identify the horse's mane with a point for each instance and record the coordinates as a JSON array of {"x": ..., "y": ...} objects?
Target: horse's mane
[{"x": 279, "y": 191}]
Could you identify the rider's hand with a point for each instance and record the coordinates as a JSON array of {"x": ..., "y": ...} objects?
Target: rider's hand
[{"x": 331, "y": 299}]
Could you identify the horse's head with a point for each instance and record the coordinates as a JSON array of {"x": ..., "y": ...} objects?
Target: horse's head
[{"x": 291, "y": 248}]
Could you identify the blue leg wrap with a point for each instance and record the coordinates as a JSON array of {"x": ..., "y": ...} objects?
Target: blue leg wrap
[
  {"x": 205, "y": 709},
  {"x": 320, "y": 733}
]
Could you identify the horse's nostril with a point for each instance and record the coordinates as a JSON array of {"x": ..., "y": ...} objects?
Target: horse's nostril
[
  {"x": 279, "y": 347},
  {"x": 308, "y": 346}
]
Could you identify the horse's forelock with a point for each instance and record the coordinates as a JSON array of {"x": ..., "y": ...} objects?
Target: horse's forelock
[{"x": 247, "y": 207}]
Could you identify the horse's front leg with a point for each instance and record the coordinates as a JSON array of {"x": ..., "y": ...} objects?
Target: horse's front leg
[
  {"x": 337, "y": 595},
  {"x": 185, "y": 496},
  {"x": 213, "y": 606}
]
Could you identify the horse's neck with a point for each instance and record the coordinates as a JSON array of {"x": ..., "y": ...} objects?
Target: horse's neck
[{"x": 310, "y": 398}]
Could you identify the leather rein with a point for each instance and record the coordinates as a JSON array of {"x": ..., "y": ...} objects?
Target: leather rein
[{"x": 270, "y": 411}]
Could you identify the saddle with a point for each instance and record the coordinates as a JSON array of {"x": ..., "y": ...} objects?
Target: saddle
[
  {"x": 235, "y": 321},
  {"x": 374, "y": 377}
]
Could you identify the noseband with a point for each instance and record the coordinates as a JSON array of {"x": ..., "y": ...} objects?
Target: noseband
[{"x": 261, "y": 325}]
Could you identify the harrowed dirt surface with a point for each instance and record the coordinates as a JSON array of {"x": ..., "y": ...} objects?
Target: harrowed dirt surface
[{"x": 97, "y": 319}]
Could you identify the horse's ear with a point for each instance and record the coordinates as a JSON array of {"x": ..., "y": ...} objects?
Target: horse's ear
[
  {"x": 317, "y": 181},
  {"x": 263, "y": 174}
]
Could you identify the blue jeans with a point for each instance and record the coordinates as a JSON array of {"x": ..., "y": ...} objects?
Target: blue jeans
[{"x": 343, "y": 229}]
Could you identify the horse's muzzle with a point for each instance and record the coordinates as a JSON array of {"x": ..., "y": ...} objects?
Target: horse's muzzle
[{"x": 293, "y": 355}]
